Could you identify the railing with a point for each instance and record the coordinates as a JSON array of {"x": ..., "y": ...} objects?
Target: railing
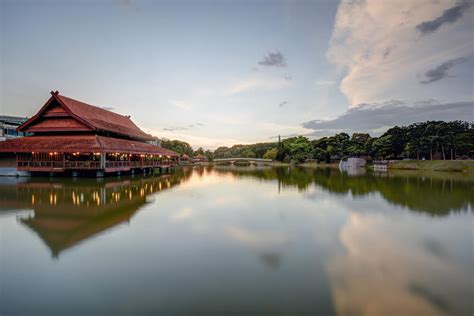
[
  {"x": 153, "y": 163},
  {"x": 82, "y": 164},
  {"x": 41, "y": 164},
  {"x": 93, "y": 164},
  {"x": 117, "y": 164}
]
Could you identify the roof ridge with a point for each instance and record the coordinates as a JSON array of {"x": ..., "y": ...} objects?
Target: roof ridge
[
  {"x": 101, "y": 119},
  {"x": 93, "y": 106}
]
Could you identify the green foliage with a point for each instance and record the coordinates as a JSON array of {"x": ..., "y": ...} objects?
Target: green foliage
[
  {"x": 429, "y": 140},
  {"x": 319, "y": 154},
  {"x": 360, "y": 145},
  {"x": 248, "y": 153},
  {"x": 177, "y": 146},
  {"x": 298, "y": 148},
  {"x": 244, "y": 151},
  {"x": 271, "y": 154},
  {"x": 383, "y": 146},
  {"x": 209, "y": 154}
]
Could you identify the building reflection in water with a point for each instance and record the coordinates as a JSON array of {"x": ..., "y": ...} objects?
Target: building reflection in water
[{"x": 67, "y": 212}]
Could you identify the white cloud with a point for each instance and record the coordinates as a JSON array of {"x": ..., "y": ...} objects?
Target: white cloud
[{"x": 377, "y": 43}]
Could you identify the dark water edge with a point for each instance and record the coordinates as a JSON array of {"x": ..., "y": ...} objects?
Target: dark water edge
[{"x": 239, "y": 240}]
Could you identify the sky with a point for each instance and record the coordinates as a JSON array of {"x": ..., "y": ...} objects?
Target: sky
[{"x": 218, "y": 73}]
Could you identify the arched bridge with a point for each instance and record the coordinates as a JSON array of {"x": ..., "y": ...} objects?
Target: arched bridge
[{"x": 240, "y": 159}]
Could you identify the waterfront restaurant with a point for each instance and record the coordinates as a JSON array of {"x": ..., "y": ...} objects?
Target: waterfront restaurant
[{"x": 69, "y": 136}]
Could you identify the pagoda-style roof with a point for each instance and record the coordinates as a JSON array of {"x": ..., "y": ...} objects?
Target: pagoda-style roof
[
  {"x": 81, "y": 143},
  {"x": 75, "y": 115}
]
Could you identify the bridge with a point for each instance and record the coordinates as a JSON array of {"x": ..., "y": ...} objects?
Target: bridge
[{"x": 241, "y": 159}]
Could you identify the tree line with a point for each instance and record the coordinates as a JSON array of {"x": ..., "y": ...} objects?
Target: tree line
[{"x": 425, "y": 140}]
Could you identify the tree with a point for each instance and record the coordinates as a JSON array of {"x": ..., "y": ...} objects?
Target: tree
[
  {"x": 319, "y": 150},
  {"x": 358, "y": 145},
  {"x": 199, "y": 151},
  {"x": 271, "y": 154},
  {"x": 248, "y": 153},
  {"x": 398, "y": 138},
  {"x": 298, "y": 148},
  {"x": 338, "y": 145},
  {"x": 409, "y": 147},
  {"x": 177, "y": 146},
  {"x": 281, "y": 154},
  {"x": 463, "y": 142},
  {"x": 319, "y": 154},
  {"x": 209, "y": 155},
  {"x": 383, "y": 146},
  {"x": 430, "y": 138}
]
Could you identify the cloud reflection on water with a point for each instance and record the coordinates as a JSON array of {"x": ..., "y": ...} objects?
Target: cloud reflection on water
[{"x": 386, "y": 269}]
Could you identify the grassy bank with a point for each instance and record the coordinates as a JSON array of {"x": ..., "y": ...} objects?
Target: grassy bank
[{"x": 434, "y": 165}]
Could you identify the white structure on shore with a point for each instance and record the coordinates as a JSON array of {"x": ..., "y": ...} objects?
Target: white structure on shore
[{"x": 352, "y": 163}]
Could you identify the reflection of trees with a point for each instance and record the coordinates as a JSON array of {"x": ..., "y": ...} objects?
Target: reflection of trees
[
  {"x": 286, "y": 176},
  {"x": 67, "y": 212},
  {"x": 434, "y": 194},
  {"x": 437, "y": 194}
]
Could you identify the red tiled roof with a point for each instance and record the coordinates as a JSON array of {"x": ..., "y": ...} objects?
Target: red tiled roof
[
  {"x": 200, "y": 157},
  {"x": 95, "y": 117},
  {"x": 81, "y": 143}
]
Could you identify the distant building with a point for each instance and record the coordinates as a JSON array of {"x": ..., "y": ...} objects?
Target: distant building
[
  {"x": 8, "y": 126},
  {"x": 199, "y": 158},
  {"x": 184, "y": 159}
]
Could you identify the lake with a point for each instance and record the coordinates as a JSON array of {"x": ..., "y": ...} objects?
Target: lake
[{"x": 239, "y": 240}]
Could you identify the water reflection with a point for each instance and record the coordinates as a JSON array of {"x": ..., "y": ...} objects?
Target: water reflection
[
  {"x": 436, "y": 193},
  {"x": 402, "y": 267},
  {"x": 67, "y": 212},
  {"x": 241, "y": 241}
]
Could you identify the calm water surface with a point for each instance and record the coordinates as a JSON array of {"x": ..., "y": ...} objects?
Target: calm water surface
[{"x": 249, "y": 241}]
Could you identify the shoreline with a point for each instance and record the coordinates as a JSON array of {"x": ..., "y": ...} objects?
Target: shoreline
[{"x": 419, "y": 165}]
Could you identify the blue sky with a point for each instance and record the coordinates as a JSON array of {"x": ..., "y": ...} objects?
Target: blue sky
[{"x": 196, "y": 70}]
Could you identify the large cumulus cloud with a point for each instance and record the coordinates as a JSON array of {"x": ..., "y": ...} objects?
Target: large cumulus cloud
[{"x": 382, "y": 48}]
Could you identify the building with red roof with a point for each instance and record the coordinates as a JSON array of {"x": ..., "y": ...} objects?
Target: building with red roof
[
  {"x": 69, "y": 135},
  {"x": 200, "y": 158}
]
